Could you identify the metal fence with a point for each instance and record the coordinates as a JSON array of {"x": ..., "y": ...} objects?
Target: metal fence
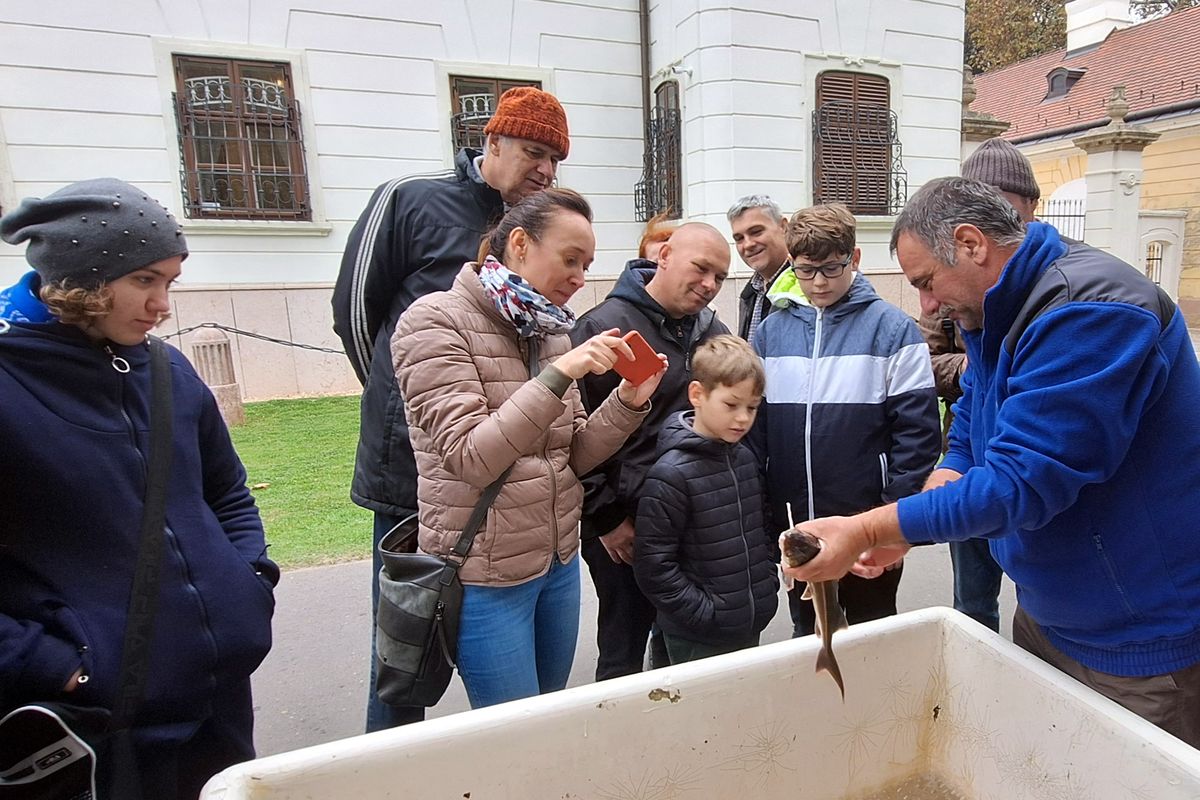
[{"x": 1066, "y": 215}]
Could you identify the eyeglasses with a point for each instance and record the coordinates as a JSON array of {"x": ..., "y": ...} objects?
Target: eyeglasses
[{"x": 834, "y": 270}]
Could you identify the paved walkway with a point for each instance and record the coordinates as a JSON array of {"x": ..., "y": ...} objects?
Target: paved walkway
[{"x": 312, "y": 687}]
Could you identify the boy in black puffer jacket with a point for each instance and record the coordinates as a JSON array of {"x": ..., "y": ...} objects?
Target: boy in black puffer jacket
[{"x": 702, "y": 555}]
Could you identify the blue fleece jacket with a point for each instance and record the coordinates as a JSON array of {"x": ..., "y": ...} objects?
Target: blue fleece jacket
[
  {"x": 75, "y": 434},
  {"x": 1078, "y": 438}
]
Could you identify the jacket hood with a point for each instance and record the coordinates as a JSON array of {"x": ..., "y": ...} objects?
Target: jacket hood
[
  {"x": 631, "y": 285},
  {"x": 20, "y": 302},
  {"x": 786, "y": 292},
  {"x": 678, "y": 433},
  {"x": 69, "y": 345}
]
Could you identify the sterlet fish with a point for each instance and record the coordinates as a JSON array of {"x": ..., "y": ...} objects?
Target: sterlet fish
[{"x": 799, "y": 547}]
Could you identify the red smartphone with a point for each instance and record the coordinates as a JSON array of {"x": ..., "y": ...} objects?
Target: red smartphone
[{"x": 645, "y": 361}]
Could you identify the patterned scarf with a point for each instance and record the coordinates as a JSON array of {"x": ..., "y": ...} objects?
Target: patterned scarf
[{"x": 519, "y": 303}]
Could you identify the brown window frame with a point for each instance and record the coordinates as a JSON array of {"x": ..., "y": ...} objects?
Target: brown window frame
[
  {"x": 466, "y": 125},
  {"x": 234, "y": 121},
  {"x": 856, "y": 147}
]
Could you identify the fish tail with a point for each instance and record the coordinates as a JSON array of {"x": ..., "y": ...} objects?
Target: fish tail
[{"x": 827, "y": 663}]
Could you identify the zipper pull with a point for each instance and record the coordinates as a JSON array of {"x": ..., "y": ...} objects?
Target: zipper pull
[{"x": 118, "y": 363}]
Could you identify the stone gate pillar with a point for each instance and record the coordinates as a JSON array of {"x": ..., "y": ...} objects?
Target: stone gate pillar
[
  {"x": 977, "y": 127},
  {"x": 1114, "y": 181}
]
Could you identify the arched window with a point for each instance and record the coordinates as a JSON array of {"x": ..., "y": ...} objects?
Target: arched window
[{"x": 856, "y": 145}]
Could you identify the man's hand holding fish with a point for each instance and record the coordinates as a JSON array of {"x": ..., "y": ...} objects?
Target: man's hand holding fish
[{"x": 865, "y": 544}]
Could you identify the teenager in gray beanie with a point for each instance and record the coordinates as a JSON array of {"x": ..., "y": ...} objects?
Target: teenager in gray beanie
[
  {"x": 75, "y": 384},
  {"x": 83, "y": 236},
  {"x": 93, "y": 231}
]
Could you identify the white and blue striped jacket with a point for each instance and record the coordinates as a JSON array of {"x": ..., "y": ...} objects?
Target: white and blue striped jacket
[{"x": 850, "y": 417}]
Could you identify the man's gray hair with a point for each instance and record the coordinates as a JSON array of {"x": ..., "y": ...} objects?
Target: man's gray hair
[
  {"x": 942, "y": 204},
  {"x": 755, "y": 201}
]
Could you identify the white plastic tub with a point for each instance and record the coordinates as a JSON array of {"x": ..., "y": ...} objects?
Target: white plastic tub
[{"x": 929, "y": 692}]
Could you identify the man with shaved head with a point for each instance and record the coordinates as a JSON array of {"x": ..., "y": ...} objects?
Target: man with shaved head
[{"x": 669, "y": 307}]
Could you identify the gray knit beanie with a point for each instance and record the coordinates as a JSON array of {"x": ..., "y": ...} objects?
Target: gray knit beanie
[
  {"x": 93, "y": 231},
  {"x": 998, "y": 163}
]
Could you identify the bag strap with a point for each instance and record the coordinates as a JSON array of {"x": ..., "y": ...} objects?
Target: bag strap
[
  {"x": 463, "y": 546},
  {"x": 143, "y": 598}
]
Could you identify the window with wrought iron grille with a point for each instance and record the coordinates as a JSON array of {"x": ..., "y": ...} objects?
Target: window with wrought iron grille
[
  {"x": 660, "y": 190},
  {"x": 474, "y": 102},
  {"x": 857, "y": 157},
  {"x": 240, "y": 141}
]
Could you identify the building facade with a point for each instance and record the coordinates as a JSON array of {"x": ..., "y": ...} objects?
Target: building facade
[
  {"x": 265, "y": 126},
  {"x": 1054, "y": 99}
]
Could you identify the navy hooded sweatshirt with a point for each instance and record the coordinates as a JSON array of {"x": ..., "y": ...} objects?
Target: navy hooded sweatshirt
[{"x": 74, "y": 433}]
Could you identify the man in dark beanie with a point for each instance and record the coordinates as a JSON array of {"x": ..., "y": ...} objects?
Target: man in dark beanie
[
  {"x": 83, "y": 235},
  {"x": 412, "y": 239},
  {"x": 999, "y": 163}
]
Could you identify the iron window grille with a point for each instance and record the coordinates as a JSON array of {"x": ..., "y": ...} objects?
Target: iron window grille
[
  {"x": 240, "y": 141},
  {"x": 660, "y": 190},
  {"x": 475, "y": 101},
  {"x": 857, "y": 154}
]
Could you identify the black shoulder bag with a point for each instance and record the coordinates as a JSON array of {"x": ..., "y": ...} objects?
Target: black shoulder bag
[
  {"x": 420, "y": 602},
  {"x": 59, "y": 751}
]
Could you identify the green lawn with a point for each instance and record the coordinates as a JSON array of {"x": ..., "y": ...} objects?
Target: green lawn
[{"x": 304, "y": 450}]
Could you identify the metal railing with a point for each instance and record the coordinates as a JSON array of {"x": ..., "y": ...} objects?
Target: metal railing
[{"x": 1066, "y": 215}]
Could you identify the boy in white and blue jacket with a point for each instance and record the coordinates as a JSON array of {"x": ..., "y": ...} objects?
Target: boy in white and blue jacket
[{"x": 850, "y": 420}]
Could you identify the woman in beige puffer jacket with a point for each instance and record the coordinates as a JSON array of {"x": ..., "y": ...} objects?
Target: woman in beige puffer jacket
[{"x": 462, "y": 360}]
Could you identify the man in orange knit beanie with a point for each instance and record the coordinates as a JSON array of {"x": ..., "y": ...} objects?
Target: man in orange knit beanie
[{"x": 413, "y": 238}]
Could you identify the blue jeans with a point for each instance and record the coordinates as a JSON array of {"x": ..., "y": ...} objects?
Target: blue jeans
[
  {"x": 381, "y": 716},
  {"x": 976, "y": 581},
  {"x": 519, "y": 641}
]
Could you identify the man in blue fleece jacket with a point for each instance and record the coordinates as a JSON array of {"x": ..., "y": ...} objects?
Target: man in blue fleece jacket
[{"x": 1075, "y": 450}]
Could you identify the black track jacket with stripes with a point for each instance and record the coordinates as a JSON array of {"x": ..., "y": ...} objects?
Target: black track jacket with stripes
[{"x": 412, "y": 239}]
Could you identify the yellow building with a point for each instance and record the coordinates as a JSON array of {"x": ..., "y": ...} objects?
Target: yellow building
[{"x": 1056, "y": 97}]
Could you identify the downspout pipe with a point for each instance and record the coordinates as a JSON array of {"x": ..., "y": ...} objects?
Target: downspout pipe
[{"x": 644, "y": 43}]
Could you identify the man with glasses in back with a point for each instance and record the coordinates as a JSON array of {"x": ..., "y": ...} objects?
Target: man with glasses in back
[{"x": 850, "y": 418}]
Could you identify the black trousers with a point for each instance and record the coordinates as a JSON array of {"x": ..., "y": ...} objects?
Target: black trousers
[
  {"x": 863, "y": 600},
  {"x": 173, "y": 770},
  {"x": 625, "y": 617}
]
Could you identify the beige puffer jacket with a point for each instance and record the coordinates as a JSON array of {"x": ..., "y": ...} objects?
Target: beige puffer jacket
[{"x": 472, "y": 411}]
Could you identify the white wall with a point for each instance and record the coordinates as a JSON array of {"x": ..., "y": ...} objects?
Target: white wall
[
  {"x": 748, "y": 101},
  {"x": 84, "y": 92}
]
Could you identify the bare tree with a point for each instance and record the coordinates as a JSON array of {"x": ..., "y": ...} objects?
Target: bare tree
[
  {"x": 1002, "y": 32},
  {"x": 1146, "y": 9}
]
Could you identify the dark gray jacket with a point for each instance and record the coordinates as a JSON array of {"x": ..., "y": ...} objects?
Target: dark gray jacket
[
  {"x": 610, "y": 491},
  {"x": 701, "y": 554}
]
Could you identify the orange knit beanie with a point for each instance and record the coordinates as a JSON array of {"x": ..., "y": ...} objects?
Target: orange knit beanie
[{"x": 529, "y": 113}]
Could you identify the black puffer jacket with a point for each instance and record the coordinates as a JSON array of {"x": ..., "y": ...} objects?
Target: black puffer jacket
[
  {"x": 411, "y": 240},
  {"x": 701, "y": 554}
]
